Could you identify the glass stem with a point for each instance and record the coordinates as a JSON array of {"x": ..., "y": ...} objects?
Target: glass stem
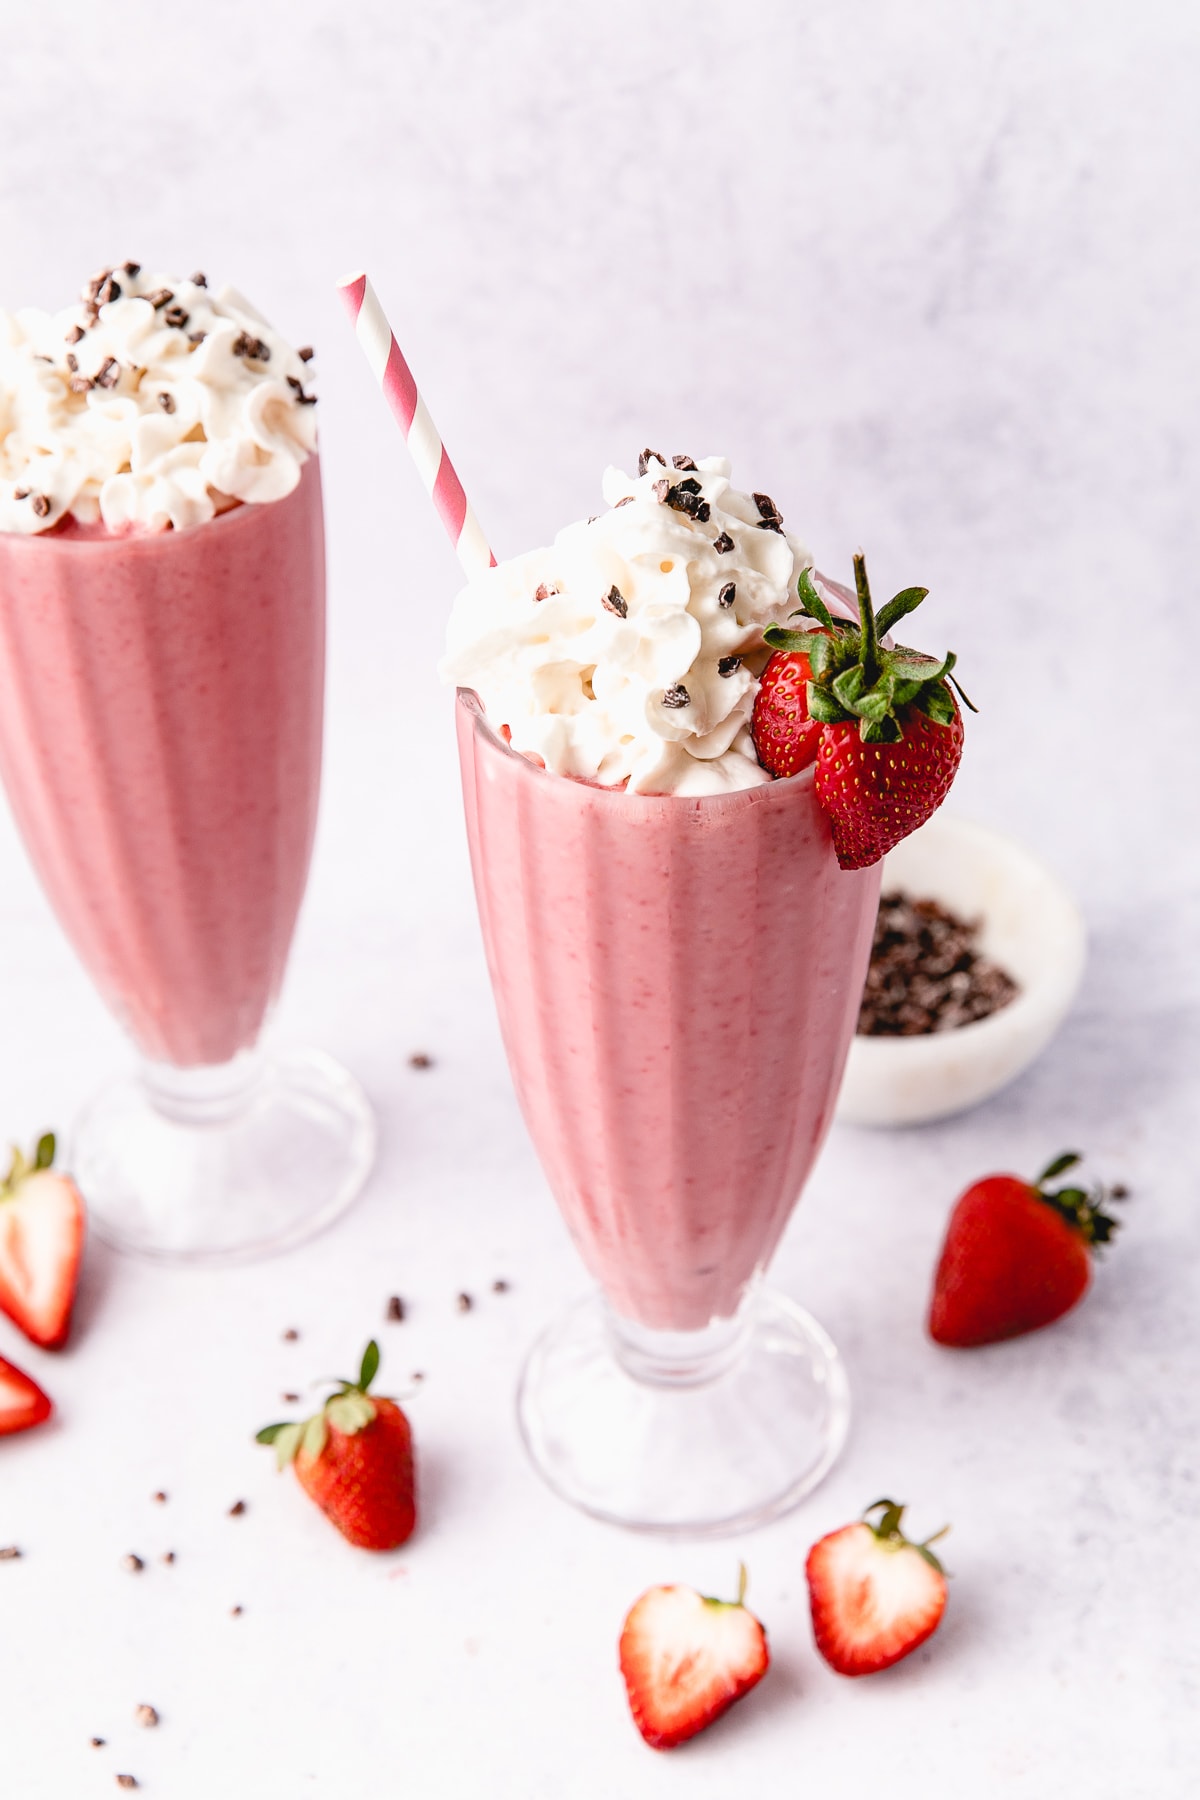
[
  {"x": 683, "y": 1358},
  {"x": 211, "y": 1094}
]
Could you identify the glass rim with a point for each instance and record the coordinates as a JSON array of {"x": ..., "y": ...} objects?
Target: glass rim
[
  {"x": 469, "y": 701},
  {"x": 122, "y": 540}
]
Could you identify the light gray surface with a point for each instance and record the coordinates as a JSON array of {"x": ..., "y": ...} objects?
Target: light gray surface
[{"x": 927, "y": 274}]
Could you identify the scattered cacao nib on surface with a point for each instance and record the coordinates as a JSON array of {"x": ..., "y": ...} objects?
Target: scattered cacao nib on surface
[
  {"x": 417, "y": 1375},
  {"x": 237, "y": 1509},
  {"x": 109, "y": 373},
  {"x": 926, "y": 973},
  {"x": 160, "y": 297},
  {"x": 99, "y": 1743},
  {"x": 500, "y": 1286},
  {"x": 615, "y": 602},
  {"x": 81, "y": 384},
  {"x": 133, "y": 1564},
  {"x": 160, "y": 1499},
  {"x": 690, "y": 486},
  {"x": 420, "y": 1059},
  {"x": 76, "y": 334},
  {"x": 727, "y": 595},
  {"x": 290, "y": 1399},
  {"x": 647, "y": 457},
  {"x": 544, "y": 591},
  {"x": 728, "y": 664},
  {"x": 176, "y": 317},
  {"x": 168, "y": 1557},
  {"x": 41, "y": 506},
  {"x": 132, "y": 269},
  {"x": 395, "y": 1310},
  {"x": 235, "y": 1612},
  {"x": 683, "y": 462},
  {"x": 306, "y": 354},
  {"x": 676, "y": 696},
  {"x": 723, "y": 545},
  {"x": 22, "y": 493},
  {"x": 109, "y": 289},
  {"x": 167, "y": 402},
  {"x": 145, "y": 1716},
  {"x": 290, "y": 1335},
  {"x": 127, "y": 1781},
  {"x": 9, "y": 1553},
  {"x": 196, "y": 337},
  {"x": 625, "y": 500},
  {"x": 199, "y": 279},
  {"x": 464, "y": 1303},
  {"x": 766, "y": 506},
  {"x": 771, "y": 525},
  {"x": 72, "y": 361}
]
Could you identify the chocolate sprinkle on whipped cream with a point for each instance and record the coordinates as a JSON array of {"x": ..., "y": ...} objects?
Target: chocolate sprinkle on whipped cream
[
  {"x": 616, "y": 654},
  {"x": 82, "y": 406}
]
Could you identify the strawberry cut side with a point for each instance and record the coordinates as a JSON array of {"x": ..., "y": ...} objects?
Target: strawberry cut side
[
  {"x": 686, "y": 1659},
  {"x": 42, "y": 1225},
  {"x": 22, "y": 1402},
  {"x": 875, "y": 1596}
]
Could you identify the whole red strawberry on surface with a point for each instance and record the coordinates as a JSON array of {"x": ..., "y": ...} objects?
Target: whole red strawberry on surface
[
  {"x": 882, "y": 725},
  {"x": 41, "y": 1245},
  {"x": 355, "y": 1458},
  {"x": 1016, "y": 1256},
  {"x": 686, "y": 1659},
  {"x": 22, "y": 1402},
  {"x": 875, "y": 1595}
]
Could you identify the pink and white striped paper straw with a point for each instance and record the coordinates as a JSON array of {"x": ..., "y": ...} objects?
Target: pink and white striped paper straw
[{"x": 428, "y": 452}]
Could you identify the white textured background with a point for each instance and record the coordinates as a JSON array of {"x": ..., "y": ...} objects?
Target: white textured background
[{"x": 927, "y": 272}]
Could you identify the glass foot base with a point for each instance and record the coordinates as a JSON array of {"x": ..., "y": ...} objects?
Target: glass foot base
[
  {"x": 223, "y": 1166},
  {"x": 639, "y": 1433}
]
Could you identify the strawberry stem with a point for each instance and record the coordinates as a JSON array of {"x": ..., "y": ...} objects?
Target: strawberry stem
[
  {"x": 1083, "y": 1209},
  {"x": 869, "y": 640},
  {"x": 887, "y": 1530}
]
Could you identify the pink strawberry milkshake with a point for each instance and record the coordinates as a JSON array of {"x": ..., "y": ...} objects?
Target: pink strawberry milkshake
[
  {"x": 677, "y": 958},
  {"x": 677, "y": 981},
  {"x": 162, "y": 596}
]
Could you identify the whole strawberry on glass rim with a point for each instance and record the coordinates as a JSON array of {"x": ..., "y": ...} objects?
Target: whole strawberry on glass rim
[
  {"x": 355, "y": 1459},
  {"x": 1017, "y": 1255},
  {"x": 882, "y": 724}
]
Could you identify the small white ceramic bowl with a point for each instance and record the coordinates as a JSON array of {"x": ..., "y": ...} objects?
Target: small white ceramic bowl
[{"x": 1030, "y": 926}]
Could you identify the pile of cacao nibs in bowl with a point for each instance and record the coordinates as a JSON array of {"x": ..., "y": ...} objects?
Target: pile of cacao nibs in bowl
[{"x": 926, "y": 972}]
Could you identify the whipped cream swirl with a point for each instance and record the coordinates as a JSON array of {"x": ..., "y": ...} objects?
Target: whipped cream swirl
[
  {"x": 627, "y": 652},
  {"x": 153, "y": 403}
]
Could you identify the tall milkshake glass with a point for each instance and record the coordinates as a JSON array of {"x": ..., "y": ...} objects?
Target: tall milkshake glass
[
  {"x": 160, "y": 742},
  {"x": 677, "y": 981}
]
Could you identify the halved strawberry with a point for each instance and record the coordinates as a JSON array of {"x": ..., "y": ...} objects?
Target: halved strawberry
[
  {"x": 41, "y": 1244},
  {"x": 686, "y": 1659},
  {"x": 1017, "y": 1255},
  {"x": 355, "y": 1459},
  {"x": 883, "y": 724},
  {"x": 22, "y": 1402},
  {"x": 875, "y": 1595}
]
